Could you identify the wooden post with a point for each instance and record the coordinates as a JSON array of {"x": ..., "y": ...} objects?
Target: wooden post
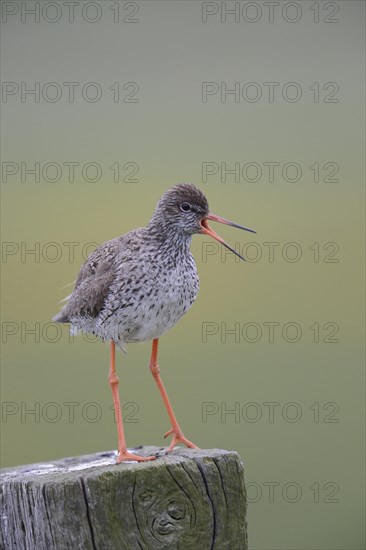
[{"x": 189, "y": 499}]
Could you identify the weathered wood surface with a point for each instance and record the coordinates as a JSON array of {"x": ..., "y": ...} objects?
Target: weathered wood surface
[{"x": 187, "y": 500}]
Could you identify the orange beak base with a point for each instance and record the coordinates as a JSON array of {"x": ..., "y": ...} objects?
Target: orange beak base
[{"x": 207, "y": 230}]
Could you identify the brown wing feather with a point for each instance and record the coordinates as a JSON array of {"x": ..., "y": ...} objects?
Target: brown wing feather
[{"x": 92, "y": 285}]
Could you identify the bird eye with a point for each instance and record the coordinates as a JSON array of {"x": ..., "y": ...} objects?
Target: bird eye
[{"x": 185, "y": 207}]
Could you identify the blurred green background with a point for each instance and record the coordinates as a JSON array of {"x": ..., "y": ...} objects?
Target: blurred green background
[{"x": 299, "y": 405}]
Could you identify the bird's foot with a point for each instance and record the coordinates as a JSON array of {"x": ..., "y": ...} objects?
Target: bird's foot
[
  {"x": 125, "y": 455},
  {"x": 178, "y": 437}
]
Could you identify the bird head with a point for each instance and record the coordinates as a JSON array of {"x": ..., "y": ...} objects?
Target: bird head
[{"x": 184, "y": 209}]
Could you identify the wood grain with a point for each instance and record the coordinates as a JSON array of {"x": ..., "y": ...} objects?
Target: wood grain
[{"x": 189, "y": 499}]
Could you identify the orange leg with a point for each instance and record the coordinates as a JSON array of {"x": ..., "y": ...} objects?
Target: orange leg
[
  {"x": 123, "y": 454},
  {"x": 178, "y": 436}
]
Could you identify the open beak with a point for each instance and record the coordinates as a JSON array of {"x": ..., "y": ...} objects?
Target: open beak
[{"x": 206, "y": 229}]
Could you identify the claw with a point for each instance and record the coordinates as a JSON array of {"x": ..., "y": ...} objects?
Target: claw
[
  {"x": 169, "y": 432},
  {"x": 125, "y": 455},
  {"x": 178, "y": 437}
]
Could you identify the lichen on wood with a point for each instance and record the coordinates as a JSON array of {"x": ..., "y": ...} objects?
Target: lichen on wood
[{"x": 188, "y": 499}]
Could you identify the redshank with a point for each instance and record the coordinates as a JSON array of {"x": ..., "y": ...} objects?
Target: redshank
[{"x": 136, "y": 287}]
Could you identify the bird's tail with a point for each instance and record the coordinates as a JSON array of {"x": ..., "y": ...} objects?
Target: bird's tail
[{"x": 60, "y": 317}]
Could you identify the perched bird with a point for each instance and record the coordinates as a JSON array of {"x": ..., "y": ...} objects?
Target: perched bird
[{"x": 136, "y": 287}]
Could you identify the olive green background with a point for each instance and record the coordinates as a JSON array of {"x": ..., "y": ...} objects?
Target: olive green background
[{"x": 315, "y": 460}]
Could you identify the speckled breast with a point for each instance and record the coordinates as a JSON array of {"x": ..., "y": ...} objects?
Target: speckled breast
[{"x": 154, "y": 299}]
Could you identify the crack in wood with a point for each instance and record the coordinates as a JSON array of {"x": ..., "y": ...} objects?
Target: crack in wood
[
  {"x": 189, "y": 499},
  {"x": 90, "y": 523}
]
